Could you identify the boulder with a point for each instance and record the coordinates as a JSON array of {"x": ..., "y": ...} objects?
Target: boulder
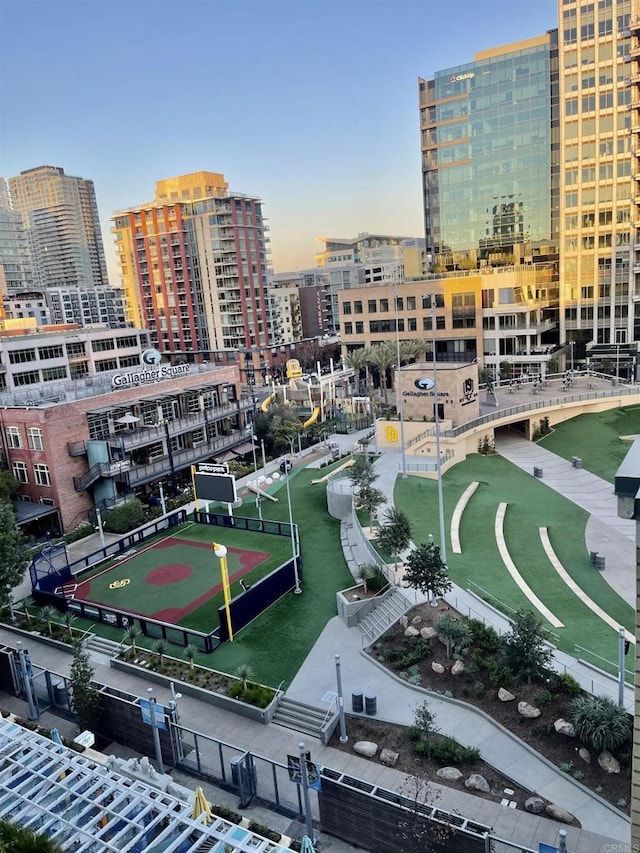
[
  {"x": 505, "y": 696},
  {"x": 476, "y": 782},
  {"x": 411, "y": 632},
  {"x": 416, "y": 620},
  {"x": 366, "y": 747},
  {"x": 404, "y": 621},
  {"x": 535, "y": 805},
  {"x": 451, "y": 774},
  {"x": 608, "y": 763},
  {"x": 437, "y": 667},
  {"x": 584, "y": 755},
  {"x": 427, "y": 633},
  {"x": 457, "y": 668},
  {"x": 528, "y": 711},
  {"x": 564, "y": 727},
  {"x": 558, "y": 813},
  {"x": 389, "y": 757}
]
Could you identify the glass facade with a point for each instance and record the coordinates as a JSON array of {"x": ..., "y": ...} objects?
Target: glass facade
[{"x": 487, "y": 157}]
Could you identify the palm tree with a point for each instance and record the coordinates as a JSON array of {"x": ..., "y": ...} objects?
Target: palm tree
[
  {"x": 244, "y": 672},
  {"x": 47, "y": 614},
  {"x": 132, "y": 632},
  {"x": 411, "y": 350},
  {"x": 382, "y": 356},
  {"x": 69, "y": 618},
  {"x": 19, "y": 839},
  {"x": 357, "y": 360},
  {"x": 364, "y": 573},
  {"x": 191, "y": 652},
  {"x": 160, "y": 647}
]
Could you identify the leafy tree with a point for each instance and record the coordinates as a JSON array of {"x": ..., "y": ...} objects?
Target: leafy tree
[
  {"x": 357, "y": 360},
  {"x": 523, "y": 647},
  {"x": 417, "y": 833},
  {"x": 394, "y": 535},
  {"x": 14, "y": 554},
  {"x": 86, "y": 701},
  {"x": 287, "y": 433},
  {"x": 362, "y": 473},
  {"x": 455, "y": 633},
  {"x": 123, "y": 518},
  {"x": 424, "y": 570},
  {"x": 599, "y": 722},
  {"x": 425, "y": 721},
  {"x": 21, "y": 839},
  {"x": 369, "y": 499},
  {"x": 8, "y": 486}
]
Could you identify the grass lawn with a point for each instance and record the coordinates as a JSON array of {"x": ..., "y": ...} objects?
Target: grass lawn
[
  {"x": 596, "y": 439},
  {"x": 531, "y": 505}
]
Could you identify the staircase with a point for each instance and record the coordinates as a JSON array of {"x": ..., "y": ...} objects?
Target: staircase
[
  {"x": 305, "y": 719},
  {"x": 390, "y": 609},
  {"x": 103, "y": 646}
]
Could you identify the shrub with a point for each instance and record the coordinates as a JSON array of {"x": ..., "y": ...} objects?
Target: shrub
[
  {"x": 578, "y": 775},
  {"x": 478, "y": 689},
  {"x": 569, "y": 685},
  {"x": 543, "y": 697},
  {"x": 499, "y": 674},
  {"x": 621, "y": 803},
  {"x": 227, "y": 814},
  {"x": 543, "y": 729},
  {"x": 566, "y": 766},
  {"x": 483, "y": 637},
  {"x": 414, "y": 734},
  {"x": 265, "y": 831},
  {"x": 80, "y": 532},
  {"x": 123, "y": 518},
  {"x": 377, "y": 581},
  {"x": 599, "y": 722}
]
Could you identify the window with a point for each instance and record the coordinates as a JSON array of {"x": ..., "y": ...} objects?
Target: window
[
  {"x": 413, "y": 324},
  {"x": 128, "y": 341},
  {"x": 41, "y": 473},
  {"x": 463, "y": 310},
  {"x": 50, "y": 352},
  {"x": 384, "y": 304},
  {"x": 399, "y": 303},
  {"x": 606, "y": 100},
  {"x": 411, "y": 303},
  {"x": 47, "y": 501},
  {"x": 346, "y": 308},
  {"x": 588, "y": 103},
  {"x": 34, "y": 438},
  {"x": 20, "y": 356},
  {"x": 50, "y": 374},
  {"x": 32, "y": 377},
  {"x": 359, "y": 327},
  {"x": 13, "y": 437},
  {"x": 20, "y": 472},
  {"x": 571, "y": 107},
  {"x": 371, "y": 306},
  {"x": 102, "y": 346},
  {"x": 107, "y": 364},
  {"x": 129, "y": 361},
  {"x": 357, "y": 307}
]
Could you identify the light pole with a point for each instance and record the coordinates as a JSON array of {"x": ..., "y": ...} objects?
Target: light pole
[
  {"x": 298, "y": 588},
  {"x": 26, "y": 680},
  {"x": 176, "y": 720},
  {"x": 304, "y": 774},
  {"x": 443, "y": 544},
  {"x": 255, "y": 471},
  {"x": 398, "y": 389},
  {"x": 622, "y": 635},
  {"x": 571, "y": 345},
  {"x": 343, "y": 728},
  {"x": 163, "y": 503}
]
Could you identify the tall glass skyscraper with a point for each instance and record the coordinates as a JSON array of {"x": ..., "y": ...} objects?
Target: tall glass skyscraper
[{"x": 489, "y": 162}]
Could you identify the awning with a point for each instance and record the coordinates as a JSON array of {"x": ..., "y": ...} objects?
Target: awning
[{"x": 25, "y": 511}]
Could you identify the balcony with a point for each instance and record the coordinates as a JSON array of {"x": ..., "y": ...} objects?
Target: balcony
[
  {"x": 137, "y": 475},
  {"x": 131, "y": 439}
]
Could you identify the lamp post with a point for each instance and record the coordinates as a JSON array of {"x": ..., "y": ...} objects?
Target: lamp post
[
  {"x": 25, "y": 664},
  {"x": 443, "y": 544},
  {"x": 298, "y": 588},
  {"x": 398, "y": 389},
  {"x": 343, "y": 728},
  {"x": 255, "y": 471},
  {"x": 571, "y": 345},
  {"x": 173, "y": 705},
  {"x": 304, "y": 774},
  {"x": 154, "y": 729},
  {"x": 163, "y": 503}
]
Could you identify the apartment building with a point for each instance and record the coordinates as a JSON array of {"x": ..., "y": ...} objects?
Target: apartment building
[
  {"x": 60, "y": 215},
  {"x": 193, "y": 266}
]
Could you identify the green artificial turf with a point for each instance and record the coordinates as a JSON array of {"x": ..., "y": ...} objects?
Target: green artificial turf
[
  {"x": 596, "y": 439},
  {"x": 531, "y": 505}
]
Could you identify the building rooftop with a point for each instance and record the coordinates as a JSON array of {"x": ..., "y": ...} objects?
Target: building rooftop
[{"x": 88, "y": 807}]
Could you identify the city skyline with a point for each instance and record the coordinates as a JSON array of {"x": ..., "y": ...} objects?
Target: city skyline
[{"x": 314, "y": 105}]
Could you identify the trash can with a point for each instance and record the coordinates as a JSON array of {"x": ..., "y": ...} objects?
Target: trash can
[
  {"x": 371, "y": 704},
  {"x": 593, "y": 556},
  {"x": 60, "y": 695},
  {"x": 600, "y": 561},
  {"x": 357, "y": 705},
  {"x": 537, "y": 472},
  {"x": 576, "y": 461}
]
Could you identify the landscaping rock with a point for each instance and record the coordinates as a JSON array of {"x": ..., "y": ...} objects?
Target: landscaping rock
[
  {"x": 476, "y": 782},
  {"x": 564, "y": 727},
  {"x": 528, "y": 711},
  {"x": 416, "y": 620},
  {"x": 457, "y": 668},
  {"x": 505, "y": 696},
  {"x": 451, "y": 774},
  {"x": 608, "y": 763},
  {"x": 535, "y": 805},
  {"x": 411, "y": 632},
  {"x": 585, "y": 755},
  {"x": 389, "y": 757},
  {"x": 437, "y": 667},
  {"x": 404, "y": 621},
  {"x": 427, "y": 633},
  {"x": 366, "y": 747},
  {"x": 558, "y": 813}
]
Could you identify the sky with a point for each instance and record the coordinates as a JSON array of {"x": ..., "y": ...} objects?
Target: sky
[{"x": 311, "y": 105}]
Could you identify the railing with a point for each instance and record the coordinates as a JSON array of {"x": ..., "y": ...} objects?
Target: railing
[{"x": 101, "y": 469}]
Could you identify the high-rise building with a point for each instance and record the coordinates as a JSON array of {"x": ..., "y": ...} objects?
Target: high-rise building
[
  {"x": 193, "y": 265},
  {"x": 60, "y": 215},
  {"x": 16, "y": 272}
]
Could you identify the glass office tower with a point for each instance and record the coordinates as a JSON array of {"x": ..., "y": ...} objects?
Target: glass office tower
[{"x": 489, "y": 162}]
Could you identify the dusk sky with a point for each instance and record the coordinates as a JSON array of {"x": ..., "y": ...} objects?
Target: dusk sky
[{"x": 309, "y": 104}]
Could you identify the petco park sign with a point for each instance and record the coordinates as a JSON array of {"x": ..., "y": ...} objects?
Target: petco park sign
[{"x": 151, "y": 372}]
